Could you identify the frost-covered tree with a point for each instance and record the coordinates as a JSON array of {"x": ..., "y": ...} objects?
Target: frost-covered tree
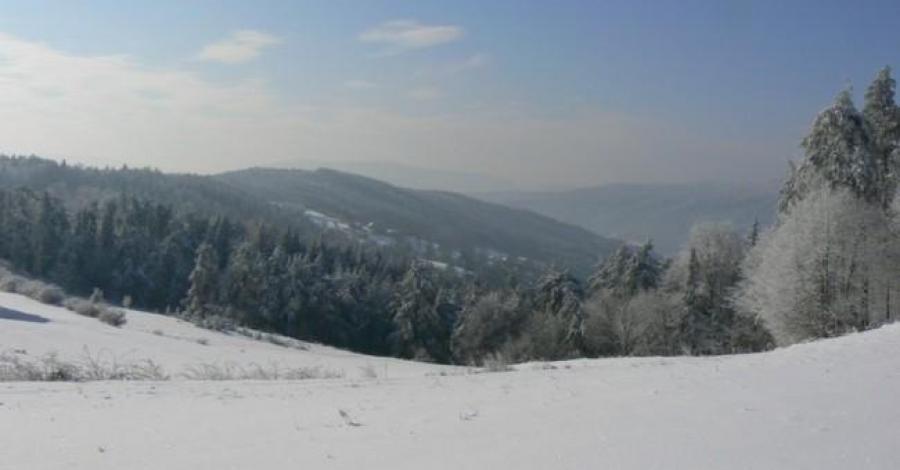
[
  {"x": 627, "y": 271},
  {"x": 662, "y": 313},
  {"x": 883, "y": 117},
  {"x": 275, "y": 293},
  {"x": 417, "y": 323},
  {"x": 486, "y": 324},
  {"x": 753, "y": 236},
  {"x": 839, "y": 153},
  {"x": 559, "y": 294},
  {"x": 830, "y": 264},
  {"x": 554, "y": 320},
  {"x": 611, "y": 272},
  {"x": 245, "y": 281},
  {"x": 828, "y": 267},
  {"x": 49, "y": 234},
  {"x": 704, "y": 276},
  {"x": 616, "y": 325},
  {"x": 618, "y": 315},
  {"x": 204, "y": 281}
]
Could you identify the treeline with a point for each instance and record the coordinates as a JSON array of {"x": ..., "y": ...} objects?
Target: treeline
[
  {"x": 259, "y": 275},
  {"x": 221, "y": 273}
]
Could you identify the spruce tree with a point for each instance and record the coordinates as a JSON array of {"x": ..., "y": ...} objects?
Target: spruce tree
[
  {"x": 245, "y": 284},
  {"x": 627, "y": 271},
  {"x": 611, "y": 272},
  {"x": 695, "y": 319},
  {"x": 50, "y": 232},
  {"x": 838, "y": 154},
  {"x": 645, "y": 270},
  {"x": 753, "y": 236},
  {"x": 415, "y": 320},
  {"x": 883, "y": 118},
  {"x": 204, "y": 281},
  {"x": 559, "y": 295}
]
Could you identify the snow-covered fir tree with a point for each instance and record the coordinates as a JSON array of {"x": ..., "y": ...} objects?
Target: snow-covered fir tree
[
  {"x": 204, "y": 281},
  {"x": 839, "y": 153},
  {"x": 415, "y": 318},
  {"x": 627, "y": 271},
  {"x": 559, "y": 295},
  {"x": 883, "y": 118}
]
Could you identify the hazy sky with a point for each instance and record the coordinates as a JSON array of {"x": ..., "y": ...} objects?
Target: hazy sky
[{"x": 548, "y": 93}]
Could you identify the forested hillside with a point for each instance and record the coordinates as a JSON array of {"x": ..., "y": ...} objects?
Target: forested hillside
[
  {"x": 439, "y": 226},
  {"x": 455, "y": 223},
  {"x": 79, "y": 186}
]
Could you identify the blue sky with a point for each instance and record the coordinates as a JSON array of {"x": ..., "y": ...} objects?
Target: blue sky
[{"x": 550, "y": 94}]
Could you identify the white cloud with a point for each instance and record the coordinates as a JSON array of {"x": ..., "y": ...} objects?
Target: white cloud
[
  {"x": 240, "y": 46},
  {"x": 474, "y": 61},
  {"x": 112, "y": 110},
  {"x": 359, "y": 84},
  {"x": 402, "y": 35},
  {"x": 425, "y": 93},
  {"x": 446, "y": 69}
]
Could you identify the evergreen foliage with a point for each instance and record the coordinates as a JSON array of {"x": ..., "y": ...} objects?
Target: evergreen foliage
[
  {"x": 839, "y": 153},
  {"x": 883, "y": 117}
]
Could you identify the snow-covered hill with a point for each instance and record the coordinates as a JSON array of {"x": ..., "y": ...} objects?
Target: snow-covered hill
[
  {"x": 831, "y": 404},
  {"x": 175, "y": 345}
]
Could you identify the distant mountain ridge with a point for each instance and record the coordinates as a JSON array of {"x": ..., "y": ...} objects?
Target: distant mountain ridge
[
  {"x": 452, "y": 220},
  {"x": 79, "y": 185},
  {"x": 352, "y": 207},
  {"x": 408, "y": 176},
  {"x": 637, "y": 212}
]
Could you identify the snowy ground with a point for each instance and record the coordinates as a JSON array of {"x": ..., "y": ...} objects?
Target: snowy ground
[
  {"x": 825, "y": 405},
  {"x": 174, "y": 344}
]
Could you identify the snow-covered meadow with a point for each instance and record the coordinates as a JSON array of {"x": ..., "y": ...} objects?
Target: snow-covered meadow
[{"x": 830, "y": 404}]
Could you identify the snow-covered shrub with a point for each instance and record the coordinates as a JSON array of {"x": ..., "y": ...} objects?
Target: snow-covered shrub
[
  {"x": 17, "y": 368},
  {"x": 83, "y": 307},
  {"x": 211, "y": 372},
  {"x": 50, "y": 295},
  {"x": 11, "y": 283},
  {"x": 112, "y": 316},
  {"x": 37, "y": 290},
  {"x": 30, "y": 288},
  {"x": 545, "y": 337},
  {"x": 496, "y": 363},
  {"x": 232, "y": 371},
  {"x": 213, "y": 322},
  {"x": 315, "y": 372},
  {"x": 368, "y": 371}
]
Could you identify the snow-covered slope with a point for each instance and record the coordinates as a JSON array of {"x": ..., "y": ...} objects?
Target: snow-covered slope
[
  {"x": 830, "y": 404},
  {"x": 175, "y": 345}
]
